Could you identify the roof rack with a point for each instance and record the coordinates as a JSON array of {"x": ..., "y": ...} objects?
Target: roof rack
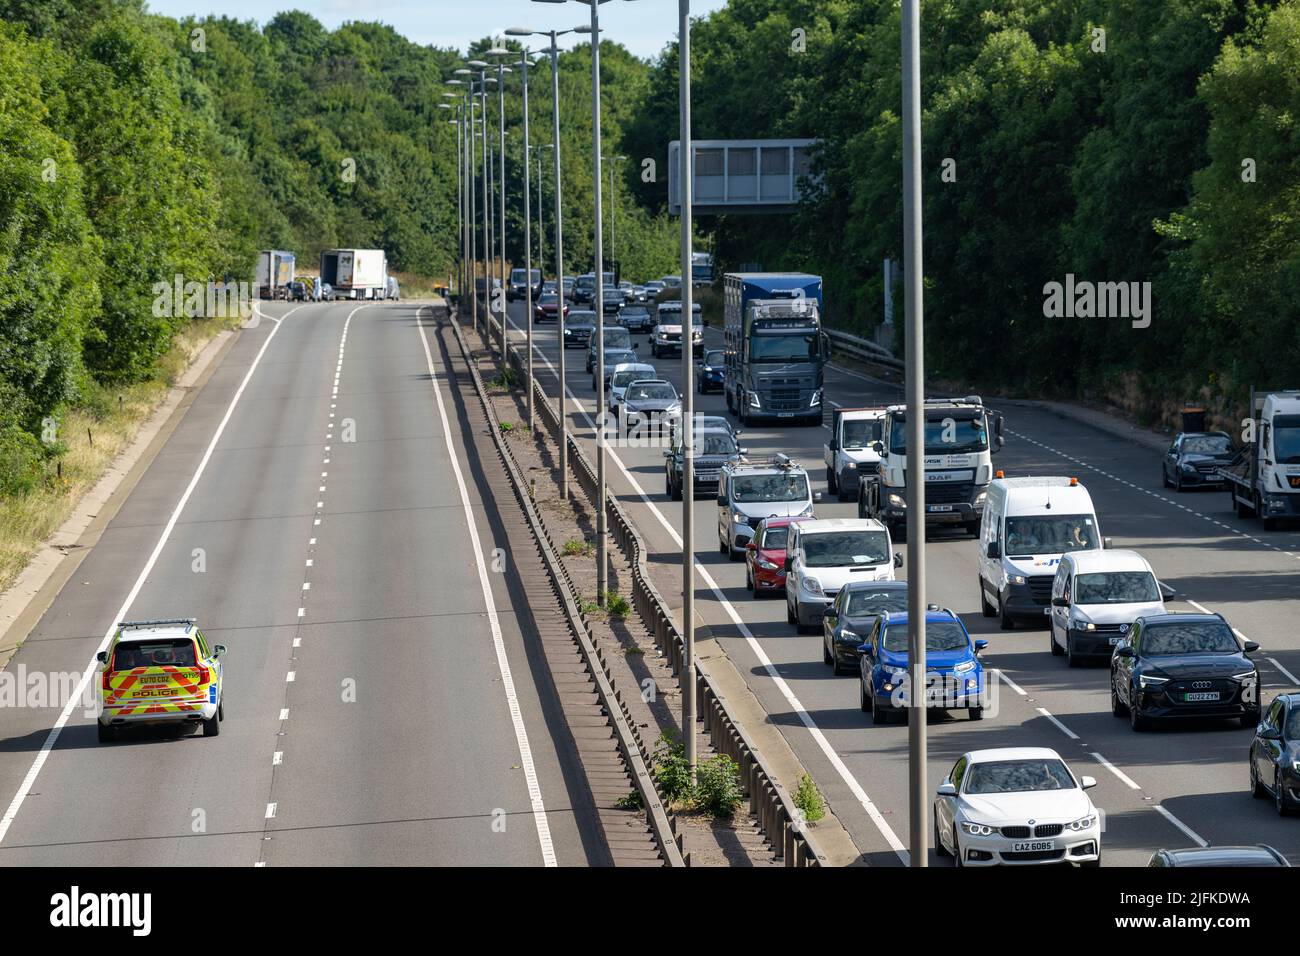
[
  {"x": 779, "y": 460},
  {"x": 187, "y": 621}
]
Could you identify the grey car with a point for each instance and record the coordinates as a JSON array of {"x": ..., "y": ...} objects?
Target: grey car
[
  {"x": 616, "y": 337},
  {"x": 579, "y": 328},
  {"x": 852, "y": 614},
  {"x": 713, "y": 449},
  {"x": 614, "y": 358},
  {"x": 652, "y": 400}
]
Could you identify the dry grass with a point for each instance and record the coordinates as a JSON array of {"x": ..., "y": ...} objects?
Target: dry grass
[{"x": 94, "y": 433}]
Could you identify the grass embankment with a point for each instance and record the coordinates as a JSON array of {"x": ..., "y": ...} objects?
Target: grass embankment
[{"x": 92, "y": 433}]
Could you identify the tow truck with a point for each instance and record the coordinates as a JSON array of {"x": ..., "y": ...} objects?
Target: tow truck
[{"x": 1264, "y": 477}]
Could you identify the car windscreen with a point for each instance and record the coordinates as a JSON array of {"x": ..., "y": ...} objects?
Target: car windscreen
[
  {"x": 1049, "y": 534},
  {"x": 1116, "y": 587},
  {"x": 873, "y": 601},
  {"x": 753, "y": 488},
  {"x": 637, "y": 311},
  {"x": 650, "y": 392},
  {"x": 1018, "y": 776},
  {"x": 939, "y": 636},
  {"x": 1207, "y": 445},
  {"x": 581, "y": 320},
  {"x": 1286, "y": 439},
  {"x": 774, "y": 538},
  {"x": 623, "y": 379},
  {"x": 715, "y": 443},
  {"x": 784, "y": 347},
  {"x": 1292, "y": 729},
  {"x": 841, "y": 549},
  {"x": 548, "y": 298},
  {"x": 860, "y": 432},
  {"x": 618, "y": 339},
  {"x": 945, "y": 436},
  {"x": 177, "y": 652},
  {"x": 713, "y": 421},
  {"x": 586, "y": 282},
  {"x": 713, "y": 357},
  {"x": 1175, "y": 638}
]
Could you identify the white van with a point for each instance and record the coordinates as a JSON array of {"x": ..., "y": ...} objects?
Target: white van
[
  {"x": 1028, "y": 524},
  {"x": 825, "y": 554},
  {"x": 1096, "y": 596}
]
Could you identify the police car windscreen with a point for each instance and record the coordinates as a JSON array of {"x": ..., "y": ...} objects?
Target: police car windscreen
[
  {"x": 1027, "y": 536},
  {"x": 842, "y": 549},
  {"x": 783, "y": 347},
  {"x": 862, "y": 603},
  {"x": 178, "y": 652},
  {"x": 1018, "y": 776},
  {"x": 949, "y": 435},
  {"x": 1115, "y": 587},
  {"x": 939, "y": 636},
  {"x": 758, "y": 488},
  {"x": 860, "y": 432}
]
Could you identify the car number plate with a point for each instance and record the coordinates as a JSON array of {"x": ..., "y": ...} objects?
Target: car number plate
[
  {"x": 785, "y": 415},
  {"x": 1116, "y": 640},
  {"x": 1201, "y": 695},
  {"x": 1033, "y": 846},
  {"x": 706, "y": 476},
  {"x": 937, "y": 508},
  {"x": 1047, "y": 611}
]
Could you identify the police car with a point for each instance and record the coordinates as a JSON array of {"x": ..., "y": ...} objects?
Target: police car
[{"x": 160, "y": 672}]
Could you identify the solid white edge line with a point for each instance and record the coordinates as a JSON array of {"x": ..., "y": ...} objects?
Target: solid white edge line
[
  {"x": 26, "y": 786},
  {"x": 823, "y": 744},
  {"x": 494, "y": 623},
  {"x": 1191, "y": 834},
  {"x": 1125, "y": 778}
]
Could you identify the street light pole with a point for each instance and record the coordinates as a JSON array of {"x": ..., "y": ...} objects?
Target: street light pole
[
  {"x": 528, "y": 240},
  {"x": 602, "y": 550},
  {"x": 918, "y": 803},
  {"x": 502, "y": 70},
  {"x": 613, "y": 214},
  {"x": 688, "y": 396}
]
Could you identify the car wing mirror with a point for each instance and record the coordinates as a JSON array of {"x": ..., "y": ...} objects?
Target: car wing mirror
[
  {"x": 751, "y": 546},
  {"x": 1124, "y": 650},
  {"x": 946, "y": 789},
  {"x": 1107, "y": 543},
  {"x": 722, "y": 500},
  {"x": 218, "y": 650},
  {"x": 878, "y": 447},
  {"x": 102, "y": 657},
  {"x": 1252, "y": 647},
  {"x": 994, "y": 550},
  {"x": 789, "y": 561},
  {"x": 898, "y": 559},
  {"x": 668, "y": 453},
  {"x": 1088, "y": 782},
  {"x": 817, "y": 496},
  {"x": 741, "y": 449},
  {"x": 980, "y": 645},
  {"x": 833, "y": 445},
  {"x": 864, "y": 650},
  {"x": 1060, "y": 602}
]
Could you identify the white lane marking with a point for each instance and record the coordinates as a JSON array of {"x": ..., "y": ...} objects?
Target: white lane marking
[
  {"x": 306, "y": 585},
  {"x": 1289, "y": 676},
  {"x": 270, "y": 811},
  {"x": 290, "y": 677},
  {"x": 277, "y": 758},
  {"x": 1191, "y": 834},
  {"x": 302, "y": 612},
  {"x": 1128, "y": 781},
  {"x": 284, "y": 713},
  {"x": 494, "y": 623},
  {"x": 33, "y": 772},
  {"x": 1012, "y": 684},
  {"x": 755, "y": 647},
  {"x": 1059, "y": 726},
  {"x": 297, "y": 642}
]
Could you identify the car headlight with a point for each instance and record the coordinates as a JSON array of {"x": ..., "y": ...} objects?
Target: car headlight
[
  {"x": 1244, "y": 676},
  {"x": 849, "y": 636},
  {"x": 1081, "y": 625},
  {"x": 568, "y": 331},
  {"x": 979, "y": 499},
  {"x": 1083, "y": 823},
  {"x": 739, "y": 518},
  {"x": 963, "y": 667},
  {"x": 1146, "y": 680},
  {"x": 1295, "y": 765},
  {"x": 851, "y": 465},
  {"x": 1015, "y": 579},
  {"x": 895, "y": 673},
  {"x": 978, "y": 829},
  {"x": 813, "y": 586},
  {"x": 767, "y": 565},
  {"x": 816, "y": 399},
  {"x": 753, "y": 400},
  {"x": 896, "y": 501}
]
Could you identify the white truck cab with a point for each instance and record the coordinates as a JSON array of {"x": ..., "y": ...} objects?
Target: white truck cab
[
  {"x": 1028, "y": 524},
  {"x": 851, "y": 449},
  {"x": 824, "y": 555},
  {"x": 1096, "y": 597}
]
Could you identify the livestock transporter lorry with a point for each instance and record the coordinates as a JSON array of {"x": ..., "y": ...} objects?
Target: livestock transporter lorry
[
  {"x": 355, "y": 273},
  {"x": 275, "y": 272},
  {"x": 773, "y": 346},
  {"x": 1264, "y": 478}
]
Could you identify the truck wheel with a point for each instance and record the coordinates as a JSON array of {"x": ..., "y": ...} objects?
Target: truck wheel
[
  {"x": 1242, "y": 509},
  {"x": 973, "y": 528},
  {"x": 987, "y": 609},
  {"x": 831, "y": 485},
  {"x": 1005, "y": 621},
  {"x": 1051, "y": 642}
]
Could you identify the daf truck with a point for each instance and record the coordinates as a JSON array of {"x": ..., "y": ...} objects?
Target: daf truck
[
  {"x": 355, "y": 273},
  {"x": 1264, "y": 477},
  {"x": 960, "y": 437},
  {"x": 774, "y": 350}
]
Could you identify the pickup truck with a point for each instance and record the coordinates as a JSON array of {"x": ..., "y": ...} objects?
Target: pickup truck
[{"x": 849, "y": 453}]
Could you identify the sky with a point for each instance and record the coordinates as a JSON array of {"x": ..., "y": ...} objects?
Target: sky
[{"x": 643, "y": 26}]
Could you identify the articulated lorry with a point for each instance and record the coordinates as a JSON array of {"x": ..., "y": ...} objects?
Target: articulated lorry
[
  {"x": 355, "y": 273},
  {"x": 960, "y": 437},
  {"x": 275, "y": 272},
  {"x": 773, "y": 346},
  {"x": 1264, "y": 478}
]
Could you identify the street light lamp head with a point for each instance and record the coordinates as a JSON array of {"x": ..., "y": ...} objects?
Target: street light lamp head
[
  {"x": 462, "y": 72},
  {"x": 497, "y": 51},
  {"x": 477, "y": 64},
  {"x": 520, "y": 32}
]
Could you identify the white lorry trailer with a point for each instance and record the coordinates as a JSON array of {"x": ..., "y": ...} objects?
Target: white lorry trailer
[
  {"x": 355, "y": 273},
  {"x": 275, "y": 272}
]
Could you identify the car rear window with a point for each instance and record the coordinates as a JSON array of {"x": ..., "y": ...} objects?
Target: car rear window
[{"x": 176, "y": 652}]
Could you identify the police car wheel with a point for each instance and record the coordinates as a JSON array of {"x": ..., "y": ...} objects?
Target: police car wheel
[
  {"x": 212, "y": 726},
  {"x": 107, "y": 732},
  {"x": 221, "y": 710}
]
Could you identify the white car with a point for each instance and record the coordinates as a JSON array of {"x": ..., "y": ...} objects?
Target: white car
[
  {"x": 1017, "y": 806},
  {"x": 624, "y": 375},
  {"x": 824, "y": 555},
  {"x": 1096, "y": 597}
]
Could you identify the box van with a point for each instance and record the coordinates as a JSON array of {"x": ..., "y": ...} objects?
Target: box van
[
  {"x": 1096, "y": 597},
  {"x": 1028, "y": 524}
]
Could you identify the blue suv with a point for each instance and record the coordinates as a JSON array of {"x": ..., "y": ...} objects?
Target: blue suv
[{"x": 955, "y": 674}]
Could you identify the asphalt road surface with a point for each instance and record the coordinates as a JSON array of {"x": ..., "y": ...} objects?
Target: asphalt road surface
[
  {"x": 1175, "y": 786},
  {"x": 316, "y": 511}
]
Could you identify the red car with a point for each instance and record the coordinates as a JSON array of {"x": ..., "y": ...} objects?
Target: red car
[
  {"x": 547, "y": 307},
  {"x": 765, "y": 556}
]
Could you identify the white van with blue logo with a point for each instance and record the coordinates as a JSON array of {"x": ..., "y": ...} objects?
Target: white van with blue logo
[{"x": 1028, "y": 524}]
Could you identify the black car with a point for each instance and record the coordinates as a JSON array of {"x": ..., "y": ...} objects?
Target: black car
[
  {"x": 578, "y": 329},
  {"x": 1183, "y": 665},
  {"x": 636, "y": 318},
  {"x": 710, "y": 377},
  {"x": 298, "y": 291},
  {"x": 1258, "y": 855},
  {"x": 1194, "y": 460},
  {"x": 713, "y": 449},
  {"x": 1275, "y": 754},
  {"x": 852, "y": 614}
]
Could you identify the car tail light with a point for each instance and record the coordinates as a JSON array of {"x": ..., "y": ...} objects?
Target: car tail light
[
  {"x": 203, "y": 674},
  {"x": 107, "y": 671}
]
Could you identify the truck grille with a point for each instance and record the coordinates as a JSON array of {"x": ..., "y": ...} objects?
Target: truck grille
[{"x": 948, "y": 492}]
